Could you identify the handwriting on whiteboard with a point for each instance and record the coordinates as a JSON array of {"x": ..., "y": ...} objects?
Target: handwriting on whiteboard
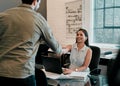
[{"x": 73, "y": 17}]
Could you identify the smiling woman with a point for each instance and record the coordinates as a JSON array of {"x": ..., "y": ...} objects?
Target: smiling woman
[{"x": 81, "y": 54}]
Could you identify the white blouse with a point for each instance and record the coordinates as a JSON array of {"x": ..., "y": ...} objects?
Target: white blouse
[{"x": 77, "y": 57}]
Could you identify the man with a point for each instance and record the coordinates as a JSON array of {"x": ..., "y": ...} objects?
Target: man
[
  {"x": 113, "y": 71},
  {"x": 21, "y": 29}
]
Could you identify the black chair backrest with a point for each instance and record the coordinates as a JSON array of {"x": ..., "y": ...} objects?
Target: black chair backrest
[
  {"x": 65, "y": 60},
  {"x": 42, "y": 50},
  {"x": 95, "y": 57}
]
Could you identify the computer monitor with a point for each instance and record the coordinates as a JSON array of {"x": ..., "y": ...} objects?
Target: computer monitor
[{"x": 52, "y": 64}]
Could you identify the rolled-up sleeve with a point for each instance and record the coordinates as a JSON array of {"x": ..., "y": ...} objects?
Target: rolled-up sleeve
[{"x": 49, "y": 37}]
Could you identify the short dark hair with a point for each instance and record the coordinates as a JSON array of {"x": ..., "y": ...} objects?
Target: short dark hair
[{"x": 28, "y": 1}]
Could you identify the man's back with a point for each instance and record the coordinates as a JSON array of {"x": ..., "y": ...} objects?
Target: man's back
[
  {"x": 21, "y": 31},
  {"x": 113, "y": 71},
  {"x": 19, "y": 38}
]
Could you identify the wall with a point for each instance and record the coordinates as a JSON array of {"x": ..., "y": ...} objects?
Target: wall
[
  {"x": 56, "y": 16},
  {"x": 43, "y": 8},
  {"x": 5, "y": 4},
  {"x": 57, "y": 19}
]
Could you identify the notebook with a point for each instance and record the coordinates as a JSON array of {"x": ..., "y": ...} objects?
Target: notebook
[{"x": 52, "y": 64}]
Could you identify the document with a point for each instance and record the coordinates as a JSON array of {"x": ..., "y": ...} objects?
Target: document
[
  {"x": 57, "y": 76},
  {"x": 79, "y": 75},
  {"x": 73, "y": 75}
]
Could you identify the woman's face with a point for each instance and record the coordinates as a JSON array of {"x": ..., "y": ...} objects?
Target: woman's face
[{"x": 80, "y": 37}]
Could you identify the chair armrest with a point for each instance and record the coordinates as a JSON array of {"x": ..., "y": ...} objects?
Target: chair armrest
[
  {"x": 94, "y": 76},
  {"x": 95, "y": 72},
  {"x": 39, "y": 66},
  {"x": 93, "y": 79}
]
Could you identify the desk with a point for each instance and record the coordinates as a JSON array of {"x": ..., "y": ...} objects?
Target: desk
[
  {"x": 64, "y": 80},
  {"x": 104, "y": 59},
  {"x": 70, "y": 82}
]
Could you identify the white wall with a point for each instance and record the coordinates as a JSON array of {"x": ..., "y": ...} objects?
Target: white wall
[
  {"x": 5, "y": 4},
  {"x": 56, "y": 16},
  {"x": 57, "y": 19}
]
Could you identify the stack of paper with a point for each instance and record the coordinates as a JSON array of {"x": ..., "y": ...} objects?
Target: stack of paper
[
  {"x": 79, "y": 75},
  {"x": 57, "y": 76},
  {"x": 73, "y": 75}
]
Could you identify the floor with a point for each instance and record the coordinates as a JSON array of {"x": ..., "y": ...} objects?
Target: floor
[{"x": 103, "y": 69}]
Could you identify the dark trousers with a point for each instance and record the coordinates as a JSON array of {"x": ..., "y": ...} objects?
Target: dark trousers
[
  {"x": 29, "y": 81},
  {"x": 41, "y": 79}
]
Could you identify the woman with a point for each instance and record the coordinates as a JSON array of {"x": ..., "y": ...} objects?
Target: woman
[{"x": 81, "y": 54}]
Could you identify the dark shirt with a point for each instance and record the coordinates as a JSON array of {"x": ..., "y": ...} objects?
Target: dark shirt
[{"x": 113, "y": 71}]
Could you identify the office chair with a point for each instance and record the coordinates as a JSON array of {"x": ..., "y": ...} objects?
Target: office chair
[
  {"x": 40, "y": 76},
  {"x": 94, "y": 71},
  {"x": 65, "y": 60},
  {"x": 41, "y": 79},
  {"x": 93, "y": 64}
]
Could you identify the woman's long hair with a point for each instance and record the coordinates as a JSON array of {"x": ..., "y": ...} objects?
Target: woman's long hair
[{"x": 86, "y": 35}]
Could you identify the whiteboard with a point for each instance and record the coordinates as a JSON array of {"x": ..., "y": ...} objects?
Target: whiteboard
[{"x": 73, "y": 17}]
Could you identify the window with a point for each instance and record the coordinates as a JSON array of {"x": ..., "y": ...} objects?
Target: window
[{"x": 106, "y": 21}]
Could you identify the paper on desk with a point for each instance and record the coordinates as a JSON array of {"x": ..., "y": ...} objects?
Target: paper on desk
[
  {"x": 80, "y": 75},
  {"x": 52, "y": 75},
  {"x": 110, "y": 56},
  {"x": 57, "y": 76},
  {"x": 73, "y": 75}
]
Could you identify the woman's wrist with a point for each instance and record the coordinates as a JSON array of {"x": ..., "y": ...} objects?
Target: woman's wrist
[{"x": 76, "y": 70}]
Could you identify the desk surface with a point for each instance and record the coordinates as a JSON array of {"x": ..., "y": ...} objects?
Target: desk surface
[
  {"x": 104, "y": 59},
  {"x": 67, "y": 80},
  {"x": 109, "y": 56},
  {"x": 70, "y": 82}
]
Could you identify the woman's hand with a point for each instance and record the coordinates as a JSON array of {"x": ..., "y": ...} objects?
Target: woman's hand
[{"x": 67, "y": 71}]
